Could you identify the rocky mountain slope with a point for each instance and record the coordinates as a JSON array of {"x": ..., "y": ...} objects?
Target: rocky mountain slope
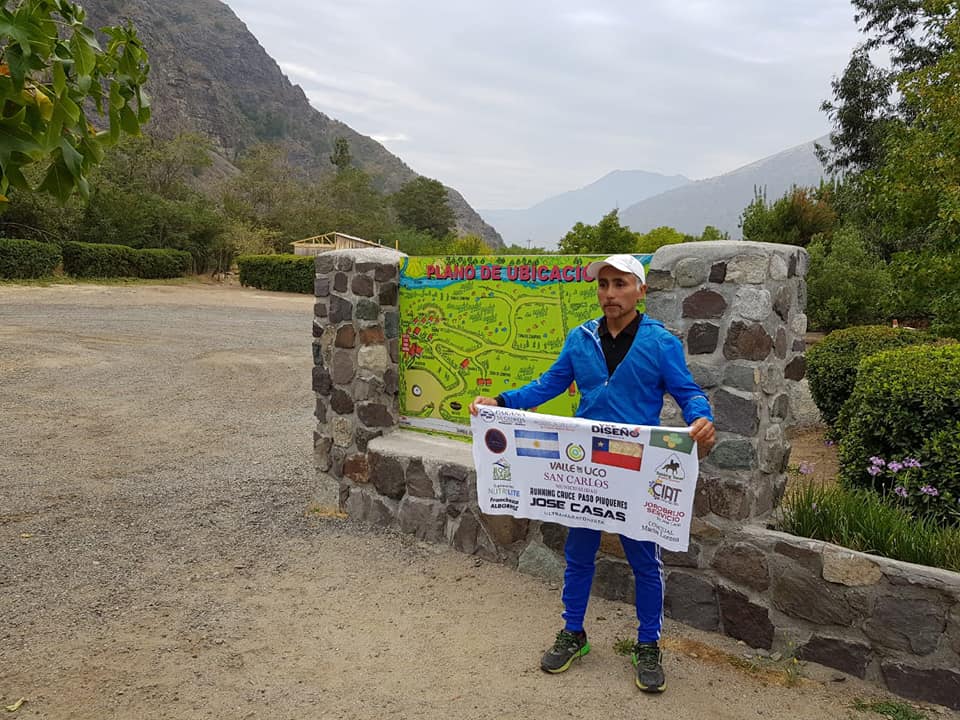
[{"x": 210, "y": 74}]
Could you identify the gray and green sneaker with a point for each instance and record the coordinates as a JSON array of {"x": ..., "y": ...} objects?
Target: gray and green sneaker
[
  {"x": 647, "y": 658},
  {"x": 567, "y": 648}
]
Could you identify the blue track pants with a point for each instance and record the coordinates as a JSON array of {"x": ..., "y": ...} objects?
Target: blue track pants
[{"x": 644, "y": 558}]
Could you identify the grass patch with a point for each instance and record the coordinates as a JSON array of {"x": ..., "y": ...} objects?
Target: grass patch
[
  {"x": 889, "y": 709},
  {"x": 326, "y": 512},
  {"x": 623, "y": 646},
  {"x": 859, "y": 519},
  {"x": 786, "y": 672}
]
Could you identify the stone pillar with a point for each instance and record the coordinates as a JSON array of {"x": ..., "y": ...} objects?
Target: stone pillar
[
  {"x": 355, "y": 351},
  {"x": 738, "y": 307}
]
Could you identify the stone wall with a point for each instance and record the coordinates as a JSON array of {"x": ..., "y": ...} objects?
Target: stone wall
[
  {"x": 738, "y": 307},
  {"x": 355, "y": 373}
]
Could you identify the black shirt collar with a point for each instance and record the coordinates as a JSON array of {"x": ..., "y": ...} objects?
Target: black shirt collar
[{"x": 630, "y": 329}]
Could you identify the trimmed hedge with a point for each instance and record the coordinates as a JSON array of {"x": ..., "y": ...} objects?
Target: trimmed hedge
[
  {"x": 103, "y": 260},
  {"x": 901, "y": 429},
  {"x": 154, "y": 264},
  {"x": 282, "y": 273},
  {"x": 27, "y": 258},
  {"x": 832, "y": 362}
]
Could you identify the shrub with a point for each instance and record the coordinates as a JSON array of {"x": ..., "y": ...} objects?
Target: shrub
[
  {"x": 99, "y": 260},
  {"x": 906, "y": 406},
  {"x": 154, "y": 263},
  {"x": 27, "y": 258},
  {"x": 861, "y": 520},
  {"x": 283, "y": 273},
  {"x": 846, "y": 285},
  {"x": 928, "y": 289},
  {"x": 832, "y": 363}
]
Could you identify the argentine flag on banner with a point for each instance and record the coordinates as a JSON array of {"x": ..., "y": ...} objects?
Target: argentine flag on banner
[{"x": 538, "y": 444}]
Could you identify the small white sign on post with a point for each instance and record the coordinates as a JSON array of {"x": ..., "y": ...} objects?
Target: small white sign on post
[{"x": 632, "y": 480}]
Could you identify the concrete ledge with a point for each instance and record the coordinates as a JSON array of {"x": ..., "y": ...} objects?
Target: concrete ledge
[{"x": 411, "y": 444}]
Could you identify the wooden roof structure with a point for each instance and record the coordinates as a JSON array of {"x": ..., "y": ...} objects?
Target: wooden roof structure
[{"x": 330, "y": 241}]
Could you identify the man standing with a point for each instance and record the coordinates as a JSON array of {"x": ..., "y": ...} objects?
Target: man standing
[{"x": 622, "y": 363}]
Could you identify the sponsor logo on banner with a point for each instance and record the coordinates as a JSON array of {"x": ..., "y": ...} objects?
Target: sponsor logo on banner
[
  {"x": 510, "y": 417},
  {"x": 681, "y": 442},
  {"x": 502, "y": 494},
  {"x": 663, "y": 492},
  {"x": 576, "y": 452},
  {"x": 557, "y": 423},
  {"x": 495, "y": 441},
  {"x": 502, "y": 415},
  {"x": 616, "y": 453},
  {"x": 671, "y": 470},
  {"x": 663, "y": 514},
  {"x": 615, "y": 430},
  {"x": 537, "y": 444}
]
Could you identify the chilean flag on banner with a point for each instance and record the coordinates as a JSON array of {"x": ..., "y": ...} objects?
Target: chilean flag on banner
[{"x": 617, "y": 453}]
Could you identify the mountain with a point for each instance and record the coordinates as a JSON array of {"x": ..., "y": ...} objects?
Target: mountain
[
  {"x": 720, "y": 200},
  {"x": 548, "y": 221},
  {"x": 209, "y": 74}
]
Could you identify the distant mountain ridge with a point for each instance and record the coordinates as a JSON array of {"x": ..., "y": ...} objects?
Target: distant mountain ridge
[
  {"x": 545, "y": 223},
  {"x": 210, "y": 75},
  {"x": 719, "y": 201}
]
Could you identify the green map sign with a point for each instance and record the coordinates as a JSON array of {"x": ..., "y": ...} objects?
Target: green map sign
[{"x": 481, "y": 325}]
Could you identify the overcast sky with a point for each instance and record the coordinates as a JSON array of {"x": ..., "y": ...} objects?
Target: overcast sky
[{"x": 512, "y": 102}]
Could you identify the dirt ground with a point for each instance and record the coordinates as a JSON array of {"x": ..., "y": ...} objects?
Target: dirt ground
[
  {"x": 813, "y": 459},
  {"x": 166, "y": 553}
]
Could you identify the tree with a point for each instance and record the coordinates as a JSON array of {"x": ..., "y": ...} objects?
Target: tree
[
  {"x": 341, "y": 154},
  {"x": 421, "y": 204},
  {"x": 470, "y": 245},
  {"x": 53, "y": 72},
  {"x": 269, "y": 193},
  {"x": 793, "y": 219},
  {"x": 915, "y": 192},
  {"x": 861, "y": 113},
  {"x": 914, "y": 33},
  {"x": 658, "y": 237},
  {"x": 606, "y": 237},
  {"x": 847, "y": 284},
  {"x": 416, "y": 243},
  {"x": 348, "y": 202},
  {"x": 515, "y": 249},
  {"x": 711, "y": 233}
]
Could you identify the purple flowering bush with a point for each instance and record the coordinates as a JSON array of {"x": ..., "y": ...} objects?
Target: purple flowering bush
[
  {"x": 861, "y": 519},
  {"x": 906, "y": 485},
  {"x": 900, "y": 430}
]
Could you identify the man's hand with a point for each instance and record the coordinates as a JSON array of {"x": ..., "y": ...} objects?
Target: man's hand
[
  {"x": 481, "y": 400},
  {"x": 704, "y": 434}
]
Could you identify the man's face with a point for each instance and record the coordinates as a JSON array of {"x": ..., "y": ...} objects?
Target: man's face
[{"x": 618, "y": 293}]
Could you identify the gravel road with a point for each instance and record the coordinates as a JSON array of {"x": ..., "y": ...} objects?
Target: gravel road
[{"x": 165, "y": 553}]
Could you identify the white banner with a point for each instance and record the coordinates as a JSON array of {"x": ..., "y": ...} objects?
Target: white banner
[{"x": 632, "y": 480}]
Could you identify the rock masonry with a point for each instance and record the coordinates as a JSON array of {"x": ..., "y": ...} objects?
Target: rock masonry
[{"x": 738, "y": 307}]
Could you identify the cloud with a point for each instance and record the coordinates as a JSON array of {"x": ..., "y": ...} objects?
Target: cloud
[
  {"x": 594, "y": 18},
  {"x": 390, "y": 138},
  {"x": 511, "y": 102}
]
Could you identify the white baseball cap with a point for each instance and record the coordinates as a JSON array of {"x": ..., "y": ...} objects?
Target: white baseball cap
[{"x": 623, "y": 263}]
